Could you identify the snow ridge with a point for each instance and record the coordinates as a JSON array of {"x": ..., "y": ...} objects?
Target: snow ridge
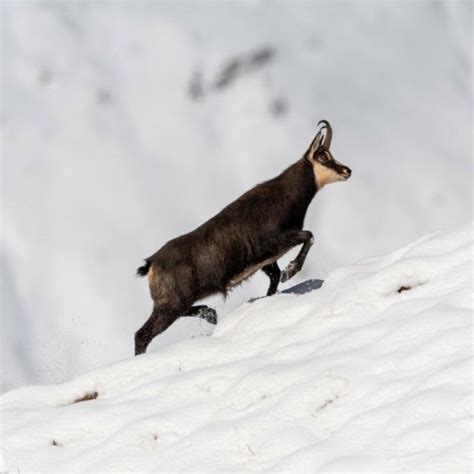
[
  {"x": 126, "y": 124},
  {"x": 372, "y": 371}
]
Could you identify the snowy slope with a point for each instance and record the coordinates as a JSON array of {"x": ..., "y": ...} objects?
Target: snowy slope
[
  {"x": 122, "y": 128},
  {"x": 371, "y": 372}
]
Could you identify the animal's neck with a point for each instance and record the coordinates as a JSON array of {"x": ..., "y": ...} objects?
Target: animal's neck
[
  {"x": 300, "y": 177},
  {"x": 299, "y": 190}
]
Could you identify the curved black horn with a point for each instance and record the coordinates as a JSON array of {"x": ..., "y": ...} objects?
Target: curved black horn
[{"x": 328, "y": 134}]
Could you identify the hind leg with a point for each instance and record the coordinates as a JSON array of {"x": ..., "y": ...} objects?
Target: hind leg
[
  {"x": 158, "y": 322},
  {"x": 273, "y": 272},
  {"x": 204, "y": 312}
]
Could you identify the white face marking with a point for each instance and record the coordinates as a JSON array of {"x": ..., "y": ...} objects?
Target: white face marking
[{"x": 324, "y": 175}]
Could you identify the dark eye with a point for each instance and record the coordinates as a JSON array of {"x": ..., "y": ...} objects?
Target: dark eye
[{"x": 324, "y": 158}]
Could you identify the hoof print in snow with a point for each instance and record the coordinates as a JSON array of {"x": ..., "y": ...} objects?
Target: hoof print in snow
[
  {"x": 403, "y": 288},
  {"x": 328, "y": 402},
  {"x": 88, "y": 396},
  {"x": 325, "y": 404}
]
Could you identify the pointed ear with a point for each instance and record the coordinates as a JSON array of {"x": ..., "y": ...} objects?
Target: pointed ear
[{"x": 315, "y": 145}]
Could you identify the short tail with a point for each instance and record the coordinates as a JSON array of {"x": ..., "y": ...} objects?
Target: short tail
[{"x": 142, "y": 271}]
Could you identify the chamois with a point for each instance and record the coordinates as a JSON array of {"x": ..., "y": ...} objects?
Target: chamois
[{"x": 248, "y": 235}]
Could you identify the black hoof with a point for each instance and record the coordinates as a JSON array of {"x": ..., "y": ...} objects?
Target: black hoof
[
  {"x": 210, "y": 316},
  {"x": 290, "y": 271},
  {"x": 140, "y": 345},
  {"x": 204, "y": 312},
  {"x": 140, "y": 350}
]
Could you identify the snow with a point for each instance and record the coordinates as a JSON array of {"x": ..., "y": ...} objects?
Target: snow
[
  {"x": 372, "y": 371},
  {"x": 106, "y": 155}
]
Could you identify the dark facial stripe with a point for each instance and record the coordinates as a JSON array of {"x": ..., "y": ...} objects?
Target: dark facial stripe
[{"x": 331, "y": 163}]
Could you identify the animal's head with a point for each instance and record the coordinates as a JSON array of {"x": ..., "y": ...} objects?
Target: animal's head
[{"x": 325, "y": 168}]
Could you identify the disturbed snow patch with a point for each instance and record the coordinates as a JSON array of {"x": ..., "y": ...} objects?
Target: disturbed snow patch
[{"x": 371, "y": 371}]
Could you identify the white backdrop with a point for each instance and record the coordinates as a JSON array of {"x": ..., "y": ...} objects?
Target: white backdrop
[{"x": 126, "y": 124}]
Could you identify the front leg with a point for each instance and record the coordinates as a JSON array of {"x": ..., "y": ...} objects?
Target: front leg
[
  {"x": 273, "y": 272},
  {"x": 307, "y": 239}
]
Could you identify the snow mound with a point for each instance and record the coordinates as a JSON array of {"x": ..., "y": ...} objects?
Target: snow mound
[
  {"x": 125, "y": 124},
  {"x": 371, "y": 371}
]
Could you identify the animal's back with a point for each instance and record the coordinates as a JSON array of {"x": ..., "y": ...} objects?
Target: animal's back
[{"x": 222, "y": 248}]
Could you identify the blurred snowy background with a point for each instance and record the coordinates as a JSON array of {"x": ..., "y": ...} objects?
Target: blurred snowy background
[{"x": 126, "y": 124}]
